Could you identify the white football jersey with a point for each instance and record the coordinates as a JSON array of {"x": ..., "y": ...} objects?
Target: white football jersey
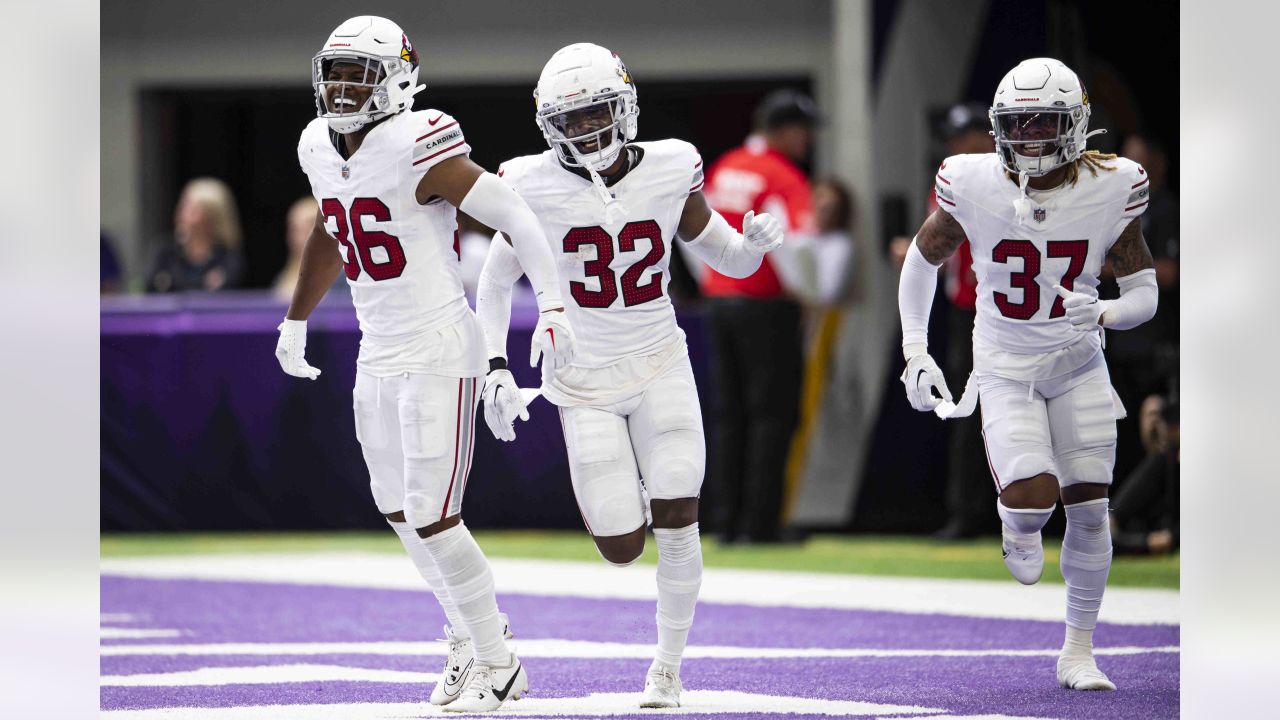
[
  {"x": 400, "y": 257},
  {"x": 1064, "y": 240},
  {"x": 613, "y": 277}
]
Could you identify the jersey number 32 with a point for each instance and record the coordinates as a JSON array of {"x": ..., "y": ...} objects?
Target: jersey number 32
[{"x": 633, "y": 292}]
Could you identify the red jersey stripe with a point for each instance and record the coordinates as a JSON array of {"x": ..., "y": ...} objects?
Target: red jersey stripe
[
  {"x": 437, "y": 130},
  {"x": 451, "y": 147}
]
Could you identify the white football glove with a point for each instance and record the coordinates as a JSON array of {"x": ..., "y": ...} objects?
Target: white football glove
[
  {"x": 503, "y": 403},
  {"x": 553, "y": 337},
  {"x": 1084, "y": 311},
  {"x": 291, "y": 350},
  {"x": 921, "y": 378},
  {"x": 762, "y": 232}
]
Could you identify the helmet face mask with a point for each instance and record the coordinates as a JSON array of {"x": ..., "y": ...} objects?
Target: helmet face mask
[
  {"x": 586, "y": 106},
  {"x": 1039, "y": 117},
  {"x": 357, "y": 80},
  {"x": 587, "y": 135},
  {"x": 1034, "y": 141}
]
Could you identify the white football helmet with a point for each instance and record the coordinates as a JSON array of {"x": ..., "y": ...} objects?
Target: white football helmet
[
  {"x": 586, "y": 106},
  {"x": 1040, "y": 117},
  {"x": 390, "y": 78}
]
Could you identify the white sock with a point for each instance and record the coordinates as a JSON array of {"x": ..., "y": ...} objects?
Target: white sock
[
  {"x": 466, "y": 574},
  {"x": 1078, "y": 643},
  {"x": 679, "y": 579},
  {"x": 1024, "y": 521},
  {"x": 427, "y": 569},
  {"x": 1086, "y": 560}
]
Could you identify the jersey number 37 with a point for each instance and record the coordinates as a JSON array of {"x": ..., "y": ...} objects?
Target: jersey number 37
[{"x": 1025, "y": 280}]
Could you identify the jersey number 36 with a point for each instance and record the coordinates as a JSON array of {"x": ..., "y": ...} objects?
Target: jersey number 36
[{"x": 365, "y": 240}]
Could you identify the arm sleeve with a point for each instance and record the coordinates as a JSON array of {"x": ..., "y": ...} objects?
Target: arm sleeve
[
  {"x": 724, "y": 249},
  {"x": 916, "y": 287},
  {"x": 1136, "y": 304},
  {"x": 493, "y": 203},
  {"x": 493, "y": 295}
]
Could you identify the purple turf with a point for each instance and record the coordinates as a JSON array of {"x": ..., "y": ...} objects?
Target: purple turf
[{"x": 214, "y": 612}]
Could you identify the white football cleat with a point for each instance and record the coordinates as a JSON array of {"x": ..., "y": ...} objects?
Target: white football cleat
[
  {"x": 1081, "y": 673},
  {"x": 457, "y": 665},
  {"x": 491, "y": 687},
  {"x": 1023, "y": 555},
  {"x": 661, "y": 688}
]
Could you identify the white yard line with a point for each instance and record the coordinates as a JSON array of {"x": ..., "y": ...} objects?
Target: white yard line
[
  {"x": 586, "y": 649},
  {"x": 977, "y": 598},
  {"x": 114, "y": 633},
  {"x": 693, "y": 702},
  {"x": 267, "y": 675}
]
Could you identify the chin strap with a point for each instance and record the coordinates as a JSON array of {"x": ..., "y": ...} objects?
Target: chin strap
[
  {"x": 614, "y": 211},
  {"x": 1022, "y": 205}
]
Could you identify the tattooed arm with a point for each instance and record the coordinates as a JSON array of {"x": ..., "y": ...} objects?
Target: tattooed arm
[
  {"x": 1136, "y": 276},
  {"x": 1130, "y": 253},
  {"x": 937, "y": 240},
  {"x": 939, "y": 237}
]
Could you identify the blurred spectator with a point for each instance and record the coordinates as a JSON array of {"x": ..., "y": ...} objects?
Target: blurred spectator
[
  {"x": 1145, "y": 511},
  {"x": 205, "y": 254},
  {"x": 755, "y": 327},
  {"x": 298, "y": 223},
  {"x": 814, "y": 268},
  {"x": 817, "y": 270},
  {"x": 109, "y": 267}
]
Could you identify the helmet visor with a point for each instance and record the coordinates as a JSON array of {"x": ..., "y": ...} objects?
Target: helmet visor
[
  {"x": 587, "y": 126},
  {"x": 1033, "y": 133},
  {"x": 345, "y": 83}
]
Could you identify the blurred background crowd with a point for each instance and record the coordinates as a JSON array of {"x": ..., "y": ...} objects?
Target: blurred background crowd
[{"x": 836, "y": 111}]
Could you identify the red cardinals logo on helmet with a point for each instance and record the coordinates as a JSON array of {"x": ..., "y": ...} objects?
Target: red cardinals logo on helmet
[{"x": 407, "y": 53}]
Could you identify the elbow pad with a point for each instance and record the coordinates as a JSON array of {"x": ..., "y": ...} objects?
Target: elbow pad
[
  {"x": 723, "y": 248},
  {"x": 1139, "y": 296},
  {"x": 495, "y": 204},
  {"x": 916, "y": 287}
]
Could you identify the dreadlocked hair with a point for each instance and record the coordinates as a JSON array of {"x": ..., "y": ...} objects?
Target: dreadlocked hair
[
  {"x": 1094, "y": 161},
  {"x": 1091, "y": 159}
]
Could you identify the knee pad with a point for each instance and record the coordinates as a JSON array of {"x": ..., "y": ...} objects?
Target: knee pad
[
  {"x": 678, "y": 467},
  {"x": 1092, "y": 468},
  {"x": 1025, "y": 521},
  {"x": 422, "y": 509},
  {"x": 1091, "y": 515}
]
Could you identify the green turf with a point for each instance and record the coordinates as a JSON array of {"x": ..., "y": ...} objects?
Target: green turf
[{"x": 857, "y": 554}]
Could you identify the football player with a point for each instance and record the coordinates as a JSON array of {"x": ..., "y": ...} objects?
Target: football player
[
  {"x": 389, "y": 181},
  {"x": 1041, "y": 215},
  {"x": 611, "y": 208}
]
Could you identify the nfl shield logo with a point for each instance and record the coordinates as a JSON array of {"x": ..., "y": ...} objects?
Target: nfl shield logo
[
  {"x": 1038, "y": 214},
  {"x": 346, "y": 173}
]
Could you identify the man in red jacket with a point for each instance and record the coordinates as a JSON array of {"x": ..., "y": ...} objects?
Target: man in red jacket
[{"x": 755, "y": 326}]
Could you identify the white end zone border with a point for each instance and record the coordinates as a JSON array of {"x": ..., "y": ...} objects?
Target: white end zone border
[{"x": 975, "y": 598}]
